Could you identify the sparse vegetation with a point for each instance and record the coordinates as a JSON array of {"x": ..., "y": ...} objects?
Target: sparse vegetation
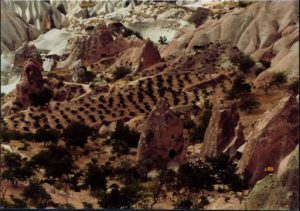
[
  {"x": 239, "y": 86},
  {"x": 162, "y": 40}
]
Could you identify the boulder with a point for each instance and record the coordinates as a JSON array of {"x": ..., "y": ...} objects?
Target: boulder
[
  {"x": 161, "y": 139},
  {"x": 224, "y": 133},
  {"x": 273, "y": 137},
  {"x": 278, "y": 192}
]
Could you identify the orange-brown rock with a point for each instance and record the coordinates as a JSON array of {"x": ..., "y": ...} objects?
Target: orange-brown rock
[
  {"x": 161, "y": 139},
  {"x": 274, "y": 136},
  {"x": 224, "y": 133}
]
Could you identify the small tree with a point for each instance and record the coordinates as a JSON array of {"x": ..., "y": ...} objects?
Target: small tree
[
  {"x": 248, "y": 104},
  {"x": 162, "y": 40},
  {"x": 95, "y": 178},
  {"x": 183, "y": 203},
  {"x": 76, "y": 134},
  {"x": 47, "y": 135},
  {"x": 61, "y": 161},
  {"x": 120, "y": 72},
  {"x": 36, "y": 193},
  {"x": 239, "y": 86},
  {"x": 40, "y": 98},
  {"x": 278, "y": 79},
  {"x": 16, "y": 169}
]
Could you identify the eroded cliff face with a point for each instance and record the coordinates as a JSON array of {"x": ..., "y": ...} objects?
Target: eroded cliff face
[
  {"x": 264, "y": 30},
  {"x": 278, "y": 191},
  {"x": 224, "y": 133},
  {"x": 161, "y": 139},
  {"x": 273, "y": 137}
]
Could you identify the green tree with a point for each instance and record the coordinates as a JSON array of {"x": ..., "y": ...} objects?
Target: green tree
[
  {"x": 239, "y": 86},
  {"x": 16, "y": 169},
  {"x": 95, "y": 178},
  {"x": 47, "y": 135},
  {"x": 196, "y": 176},
  {"x": 36, "y": 193},
  {"x": 248, "y": 104},
  {"x": 40, "y": 98},
  {"x": 61, "y": 161},
  {"x": 183, "y": 203},
  {"x": 120, "y": 72},
  {"x": 76, "y": 134}
]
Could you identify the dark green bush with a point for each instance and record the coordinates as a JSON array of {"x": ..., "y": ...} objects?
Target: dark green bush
[
  {"x": 199, "y": 16},
  {"x": 76, "y": 134},
  {"x": 248, "y": 104},
  {"x": 120, "y": 72},
  {"x": 37, "y": 194}
]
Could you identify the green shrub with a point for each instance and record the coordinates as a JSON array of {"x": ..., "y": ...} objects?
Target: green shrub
[
  {"x": 196, "y": 176},
  {"x": 248, "y": 104},
  {"x": 120, "y": 72},
  {"x": 47, "y": 135},
  {"x": 244, "y": 62},
  {"x": 61, "y": 161},
  {"x": 183, "y": 203},
  {"x": 239, "y": 86},
  {"x": 40, "y": 98},
  {"x": 95, "y": 178},
  {"x": 36, "y": 193},
  {"x": 76, "y": 134}
]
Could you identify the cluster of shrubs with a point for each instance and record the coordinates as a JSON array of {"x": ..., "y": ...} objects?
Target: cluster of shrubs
[
  {"x": 121, "y": 72},
  {"x": 123, "y": 138}
]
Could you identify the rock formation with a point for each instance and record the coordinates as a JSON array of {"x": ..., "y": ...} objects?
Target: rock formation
[
  {"x": 31, "y": 81},
  {"x": 224, "y": 133},
  {"x": 140, "y": 57},
  {"x": 91, "y": 47},
  {"x": 276, "y": 192},
  {"x": 161, "y": 138},
  {"x": 26, "y": 52},
  {"x": 273, "y": 137},
  {"x": 264, "y": 30}
]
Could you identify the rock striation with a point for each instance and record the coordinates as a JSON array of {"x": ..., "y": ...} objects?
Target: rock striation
[
  {"x": 224, "y": 133},
  {"x": 161, "y": 139},
  {"x": 273, "y": 137}
]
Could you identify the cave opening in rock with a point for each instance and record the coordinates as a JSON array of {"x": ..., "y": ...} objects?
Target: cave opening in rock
[{"x": 172, "y": 154}]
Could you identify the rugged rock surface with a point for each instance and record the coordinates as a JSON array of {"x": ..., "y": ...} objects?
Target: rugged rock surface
[
  {"x": 31, "y": 81},
  {"x": 224, "y": 133},
  {"x": 161, "y": 138},
  {"x": 265, "y": 30},
  {"x": 278, "y": 192},
  {"x": 15, "y": 31},
  {"x": 273, "y": 137},
  {"x": 24, "y": 53},
  {"x": 140, "y": 57},
  {"x": 91, "y": 47}
]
